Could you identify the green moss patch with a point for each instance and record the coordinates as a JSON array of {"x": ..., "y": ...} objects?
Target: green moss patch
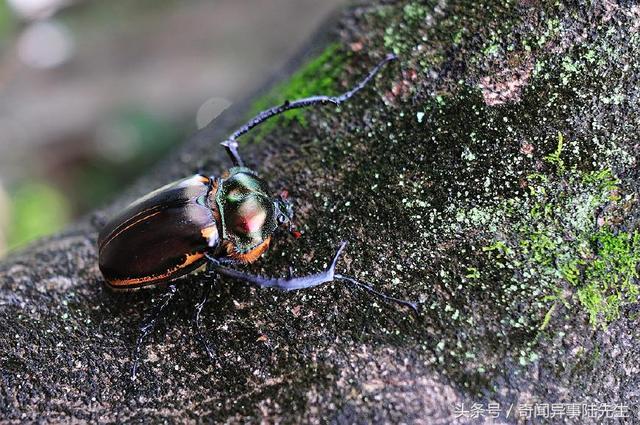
[
  {"x": 563, "y": 237},
  {"x": 319, "y": 76}
]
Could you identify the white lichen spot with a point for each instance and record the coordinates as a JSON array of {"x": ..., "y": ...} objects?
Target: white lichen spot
[{"x": 467, "y": 155}]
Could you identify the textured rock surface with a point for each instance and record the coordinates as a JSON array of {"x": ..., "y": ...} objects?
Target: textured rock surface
[{"x": 492, "y": 175}]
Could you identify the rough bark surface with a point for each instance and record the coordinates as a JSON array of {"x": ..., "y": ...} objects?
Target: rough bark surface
[{"x": 490, "y": 174}]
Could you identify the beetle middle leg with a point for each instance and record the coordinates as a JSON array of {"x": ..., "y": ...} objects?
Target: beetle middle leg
[
  {"x": 309, "y": 281},
  {"x": 197, "y": 318},
  {"x": 148, "y": 325}
]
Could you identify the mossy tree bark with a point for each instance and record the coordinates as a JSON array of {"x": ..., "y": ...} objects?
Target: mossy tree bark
[{"x": 491, "y": 174}]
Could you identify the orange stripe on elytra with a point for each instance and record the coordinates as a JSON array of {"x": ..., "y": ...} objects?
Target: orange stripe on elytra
[
  {"x": 210, "y": 234},
  {"x": 207, "y": 232},
  {"x": 191, "y": 258},
  {"x": 128, "y": 226},
  {"x": 120, "y": 229}
]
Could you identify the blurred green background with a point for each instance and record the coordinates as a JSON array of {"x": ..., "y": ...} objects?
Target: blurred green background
[{"x": 94, "y": 92}]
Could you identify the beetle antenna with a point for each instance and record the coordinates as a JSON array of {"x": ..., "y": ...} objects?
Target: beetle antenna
[
  {"x": 231, "y": 145},
  {"x": 412, "y": 305}
]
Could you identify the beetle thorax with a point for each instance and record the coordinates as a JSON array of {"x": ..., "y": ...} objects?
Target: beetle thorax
[{"x": 247, "y": 211}]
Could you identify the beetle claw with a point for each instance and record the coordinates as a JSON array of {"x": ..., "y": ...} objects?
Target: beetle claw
[{"x": 332, "y": 268}]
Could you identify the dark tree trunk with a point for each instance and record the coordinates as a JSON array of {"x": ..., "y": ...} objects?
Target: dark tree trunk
[{"x": 448, "y": 178}]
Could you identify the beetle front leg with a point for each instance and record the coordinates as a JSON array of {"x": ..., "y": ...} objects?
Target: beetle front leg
[
  {"x": 231, "y": 144},
  {"x": 295, "y": 283},
  {"x": 290, "y": 284},
  {"x": 412, "y": 305},
  {"x": 148, "y": 325}
]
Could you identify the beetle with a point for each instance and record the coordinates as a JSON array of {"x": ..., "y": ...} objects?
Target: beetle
[{"x": 213, "y": 221}]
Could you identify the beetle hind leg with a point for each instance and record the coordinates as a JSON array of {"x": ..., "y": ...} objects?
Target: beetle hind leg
[{"x": 148, "y": 325}]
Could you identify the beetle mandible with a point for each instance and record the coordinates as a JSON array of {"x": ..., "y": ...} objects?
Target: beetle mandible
[{"x": 216, "y": 221}]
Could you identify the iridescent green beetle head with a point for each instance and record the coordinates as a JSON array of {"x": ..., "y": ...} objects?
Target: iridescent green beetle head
[{"x": 249, "y": 214}]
